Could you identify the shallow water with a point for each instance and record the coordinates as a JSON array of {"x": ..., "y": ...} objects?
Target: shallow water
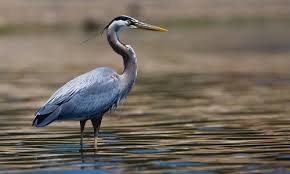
[
  {"x": 182, "y": 123},
  {"x": 211, "y": 112}
]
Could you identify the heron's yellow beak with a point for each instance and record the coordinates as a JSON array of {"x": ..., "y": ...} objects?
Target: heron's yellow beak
[{"x": 145, "y": 26}]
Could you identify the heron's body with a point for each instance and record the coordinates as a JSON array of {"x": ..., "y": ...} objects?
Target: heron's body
[
  {"x": 86, "y": 96},
  {"x": 90, "y": 95}
]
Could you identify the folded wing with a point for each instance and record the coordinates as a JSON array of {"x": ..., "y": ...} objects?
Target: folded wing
[{"x": 85, "y": 96}]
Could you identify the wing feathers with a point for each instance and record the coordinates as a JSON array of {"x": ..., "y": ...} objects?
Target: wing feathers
[
  {"x": 43, "y": 120},
  {"x": 86, "y": 95},
  {"x": 46, "y": 109}
]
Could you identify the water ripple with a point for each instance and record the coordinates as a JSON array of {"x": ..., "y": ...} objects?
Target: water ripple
[{"x": 188, "y": 123}]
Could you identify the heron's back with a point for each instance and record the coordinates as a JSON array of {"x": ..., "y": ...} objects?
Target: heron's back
[{"x": 88, "y": 95}]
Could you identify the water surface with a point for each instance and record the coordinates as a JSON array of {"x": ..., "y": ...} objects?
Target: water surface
[
  {"x": 204, "y": 113},
  {"x": 195, "y": 123}
]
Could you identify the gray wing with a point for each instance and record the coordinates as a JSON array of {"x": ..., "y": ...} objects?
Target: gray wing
[{"x": 87, "y": 95}]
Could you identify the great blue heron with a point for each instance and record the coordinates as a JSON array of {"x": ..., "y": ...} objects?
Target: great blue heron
[{"x": 90, "y": 95}]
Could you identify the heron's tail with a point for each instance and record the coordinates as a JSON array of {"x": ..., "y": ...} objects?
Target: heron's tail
[{"x": 45, "y": 119}]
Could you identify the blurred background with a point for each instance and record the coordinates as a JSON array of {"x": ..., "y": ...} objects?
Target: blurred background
[
  {"x": 212, "y": 94},
  {"x": 212, "y": 35}
]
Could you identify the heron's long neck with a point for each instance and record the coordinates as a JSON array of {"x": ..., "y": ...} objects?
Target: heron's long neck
[{"x": 130, "y": 62}]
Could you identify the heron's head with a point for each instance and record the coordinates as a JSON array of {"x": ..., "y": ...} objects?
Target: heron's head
[{"x": 122, "y": 22}]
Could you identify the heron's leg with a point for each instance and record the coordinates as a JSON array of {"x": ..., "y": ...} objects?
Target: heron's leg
[
  {"x": 82, "y": 124},
  {"x": 96, "y": 122}
]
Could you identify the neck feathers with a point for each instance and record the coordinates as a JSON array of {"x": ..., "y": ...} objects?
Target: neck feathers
[{"x": 129, "y": 57}]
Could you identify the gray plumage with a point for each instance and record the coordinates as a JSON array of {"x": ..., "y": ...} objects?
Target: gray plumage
[
  {"x": 86, "y": 96},
  {"x": 90, "y": 95}
]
